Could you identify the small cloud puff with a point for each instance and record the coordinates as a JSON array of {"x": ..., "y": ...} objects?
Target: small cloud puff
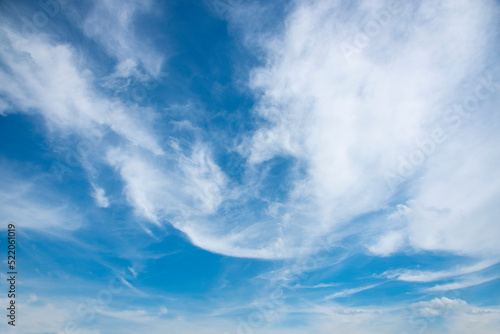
[{"x": 99, "y": 196}]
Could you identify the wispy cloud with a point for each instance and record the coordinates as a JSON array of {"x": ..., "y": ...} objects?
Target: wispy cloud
[
  {"x": 317, "y": 286},
  {"x": 462, "y": 284},
  {"x": 112, "y": 24},
  {"x": 349, "y": 292},
  {"x": 33, "y": 205},
  {"x": 430, "y": 276},
  {"x": 342, "y": 136},
  {"x": 36, "y": 67},
  {"x": 351, "y": 122},
  {"x": 322, "y": 137}
]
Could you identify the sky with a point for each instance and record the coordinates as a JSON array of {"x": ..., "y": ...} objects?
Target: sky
[{"x": 240, "y": 167}]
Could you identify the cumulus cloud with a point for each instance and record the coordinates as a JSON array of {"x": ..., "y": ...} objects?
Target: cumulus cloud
[{"x": 439, "y": 306}]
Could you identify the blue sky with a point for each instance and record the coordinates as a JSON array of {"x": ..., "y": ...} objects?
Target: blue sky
[{"x": 235, "y": 166}]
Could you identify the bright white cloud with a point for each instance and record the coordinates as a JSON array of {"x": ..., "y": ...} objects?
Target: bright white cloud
[
  {"x": 387, "y": 244},
  {"x": 148, "y": 189},
  {"x": 353, "y": 121},
  {"x": 349, "y": 120}
]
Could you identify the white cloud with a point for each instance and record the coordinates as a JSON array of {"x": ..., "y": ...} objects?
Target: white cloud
[
  {"x": 465, "y": 283},
  {"x": 430, "y": 276},
  {"x": 44, "y": 316},
  {"x": 187, "y": 190},
  {"x": 457, "y": 317},
  {"x": 387, "y": 244},
  {"x": 348, "y": 122},
  {"x": 47, "y": 78},
  {"x": 148, "y": 189},
  {"x": 317, "y": 286},
  {"x": 351, "y": 122},
  {"x": 439, "y": 306},
  {"x": 349, "y": 292},
  {"x": 163, "y": 310},
  {"x": 100, "y": 197},
  {"x": 111, "y": 23},
  {"x": 454, "y": 203}
]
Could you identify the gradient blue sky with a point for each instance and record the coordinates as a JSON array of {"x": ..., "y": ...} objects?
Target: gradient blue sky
[{"x": 228, "y": 166}]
